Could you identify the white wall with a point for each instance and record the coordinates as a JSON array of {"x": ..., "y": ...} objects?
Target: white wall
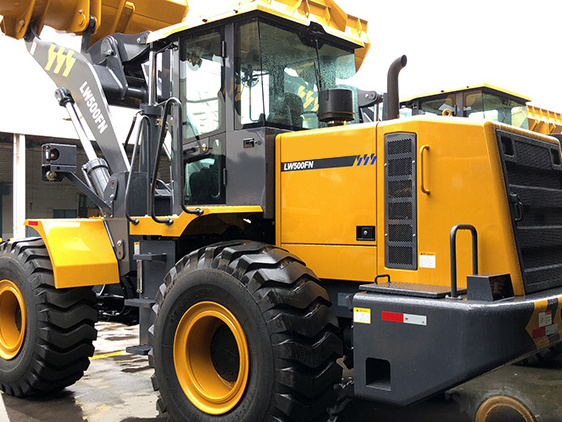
[
  {"x": 28, "y": 106},
  {"x": 41, "y": 197},
  {"x": 27, "y": 100}
]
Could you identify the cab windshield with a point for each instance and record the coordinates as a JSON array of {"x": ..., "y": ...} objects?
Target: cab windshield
[
  {"x": 478, "y": 104},
  {"x": 484, "y": 105},
  {"x": 280, "y": 73}
]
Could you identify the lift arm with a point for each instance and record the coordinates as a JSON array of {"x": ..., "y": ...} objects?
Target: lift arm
[
  {"x": 71, "y": 70},
  {"x": 73, "y": 16}
]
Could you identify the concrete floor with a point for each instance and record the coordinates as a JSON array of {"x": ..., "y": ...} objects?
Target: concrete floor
[{"x": 117, "y": 388}]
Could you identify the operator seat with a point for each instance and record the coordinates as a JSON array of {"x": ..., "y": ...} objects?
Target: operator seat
[
  {"x": 288, "y": 111},
  {"x": 204, "y": 185}
]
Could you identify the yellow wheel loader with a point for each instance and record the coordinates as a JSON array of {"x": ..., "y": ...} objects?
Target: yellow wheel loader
[
  {"x": 484, "y": 101},
  {"x": 262, "y": 230}
]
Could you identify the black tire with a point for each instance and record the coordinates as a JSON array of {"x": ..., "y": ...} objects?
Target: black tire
[
  {"x": 292, "y": 336},
  {"x": 59, "y": 324}
]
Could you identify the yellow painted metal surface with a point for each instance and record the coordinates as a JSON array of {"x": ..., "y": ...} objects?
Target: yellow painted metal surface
[
  {"x": 80, "y": 251},
  {"x": 324, "y": 205},
  {"x": 540, "y": 120},
  {"x": 148, "y": 227},
  {"x": 128, "y": 17},
  {"x": 338, "y": 262},
  {"x": 202, "y": 384},
  {"x": 544, "y": 121},
  {"x": 135, "y": 16},
  {"x": 503, "y": 408},
  {"x": 319, "y": 209},
  {"x": 324, "y": 12},
  {"x": 13, "y": 319},
  {"x": 464, "y": 177}
]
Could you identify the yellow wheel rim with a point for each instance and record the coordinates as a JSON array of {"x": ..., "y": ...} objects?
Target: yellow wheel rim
[
  {"x": 12, "y": 320},
  {"x": 213, "y": 384},
  {"x": 501, "y": 408}
]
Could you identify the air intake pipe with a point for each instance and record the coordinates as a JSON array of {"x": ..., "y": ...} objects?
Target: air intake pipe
[{"x": 391, "y": 102}]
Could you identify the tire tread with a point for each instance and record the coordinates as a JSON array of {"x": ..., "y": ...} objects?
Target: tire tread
[
  {"x": 303, "y": 330},
  {"x": 65, "y": 325}
]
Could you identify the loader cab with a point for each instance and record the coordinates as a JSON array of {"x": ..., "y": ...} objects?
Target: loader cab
[
  {"x": 241, "y": 82},
  {"x": 280, "y": 70}
]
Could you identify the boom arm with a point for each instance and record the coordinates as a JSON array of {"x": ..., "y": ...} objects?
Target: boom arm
[
  {"x": 73, "y": 16},
  {"x": 71, "y": 70}
]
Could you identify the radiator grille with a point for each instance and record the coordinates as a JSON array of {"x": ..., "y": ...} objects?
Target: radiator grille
[
  {"x": 533, "y": 177},
  {"x": 399, "y": 189},
  {"x": 400, "y": 200}
]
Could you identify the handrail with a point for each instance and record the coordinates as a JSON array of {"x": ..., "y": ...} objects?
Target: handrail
[
  {"x": 453, "y": 245},
  {"x": 179, "y": 146},
  {"x": 422, "y": 168},
  {"x": 138, "y": 141},
  {"x": 153, "y": 180},
  {"x": 167, "y": 108}
]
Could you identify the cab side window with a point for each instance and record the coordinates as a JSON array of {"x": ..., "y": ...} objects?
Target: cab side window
[
  {"x": 202, "y": 94},
  {"x": 201, "y": 84}
]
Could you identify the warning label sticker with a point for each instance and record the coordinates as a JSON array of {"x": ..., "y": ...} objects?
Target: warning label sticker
[
  {"x": 362, "y": 315},
  {"x": 404, "y": 318},
  {"x": 545, "y": 318},
  {"x": 551, "y": 329},
  {"x": 427, "y": 261},
  {"x": 415, "y": 319}
]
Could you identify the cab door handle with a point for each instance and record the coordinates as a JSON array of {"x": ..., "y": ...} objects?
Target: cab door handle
[{"x": 422, "y": 168}]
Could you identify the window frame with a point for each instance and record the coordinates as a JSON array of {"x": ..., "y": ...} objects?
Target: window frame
[
  {"x": 287, "y": 26},
  {"x": 222, "y": 91}
]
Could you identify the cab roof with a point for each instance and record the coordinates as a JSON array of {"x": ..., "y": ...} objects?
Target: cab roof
[
  {"x": 324, "y": 12},
  {"x": 484, "y": 87}
]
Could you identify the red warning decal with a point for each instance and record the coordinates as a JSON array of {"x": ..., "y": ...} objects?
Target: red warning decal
[
  {"x": 404, "y": 318},
  {"x": 392, "y": 316},
  {"x": 545, "y": 331},
  {"x": 539, "y": 332}
]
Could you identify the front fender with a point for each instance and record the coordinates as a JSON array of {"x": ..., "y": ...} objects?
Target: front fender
[{"x": 80, "y": 251}]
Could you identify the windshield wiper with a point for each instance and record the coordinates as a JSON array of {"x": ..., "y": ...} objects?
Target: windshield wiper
[{"x": 317, "y": 68}]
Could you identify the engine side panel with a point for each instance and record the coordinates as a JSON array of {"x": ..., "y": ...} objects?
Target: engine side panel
[
  {"x": 459, "y": 180},
  {"x": 326, "y": 200},
  {"x": 331, "y": 189}
]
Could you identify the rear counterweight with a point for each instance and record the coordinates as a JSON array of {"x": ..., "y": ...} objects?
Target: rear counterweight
[{"x": 409, "y": 348}]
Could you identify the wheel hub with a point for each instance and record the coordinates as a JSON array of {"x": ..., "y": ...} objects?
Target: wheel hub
[
  {"x": 12, "y": 320},
  {"x": 502, "y": 408},
  {"x": 211, "y": 357}
]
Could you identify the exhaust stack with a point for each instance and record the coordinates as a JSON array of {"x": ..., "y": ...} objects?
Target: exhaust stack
[{"x": 391, "y": 99}]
